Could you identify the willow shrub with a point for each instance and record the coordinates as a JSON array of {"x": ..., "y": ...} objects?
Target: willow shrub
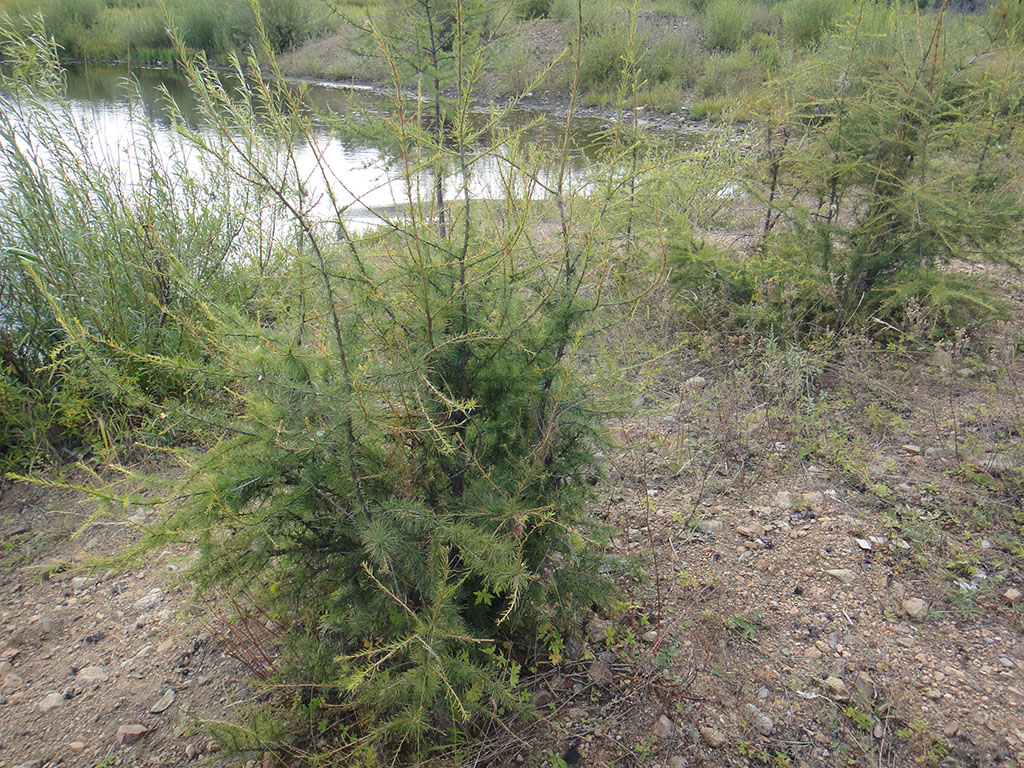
[
  {"x": 106, "y": 269},
  {"x": 406, "y": 491}
]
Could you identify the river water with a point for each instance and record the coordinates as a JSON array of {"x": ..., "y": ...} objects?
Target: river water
[{"x": 363, "y": 179}]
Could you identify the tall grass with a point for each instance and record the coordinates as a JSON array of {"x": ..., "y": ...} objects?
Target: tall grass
[
  {"x": 105, "y": 267},
  {"x": 103, "y": 30}
]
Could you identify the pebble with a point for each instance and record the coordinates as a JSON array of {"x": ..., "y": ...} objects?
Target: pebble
[
  {"x": 713, "y": 527},
  {"x": 664, "y": 727},
  {"x": 911, "y": 448},
  {"x": 752, "y": 531},
  {"x": 951, "y": 729},
  {"x": 190, "y": 751},
  {"x": 1012, "y": 596},
  {"x": 91, "y": 675},
  {"x": 712, "y": 736},
  {"x": 761, "y": 722},
  {"x": 677, "y": 761},
  {"x": 149, "y": 601},
  {"x": 600, "y": 672},
  {"x": 695, "y": 382},
  {"x": 915, "y": 607},
  {"x": 784, "y": 500},
  {"x": 50, "y": 702},
  {"x": 836, "y": 686},
  {"x": 168, "y": 698},
  {"x": 597, "y": 630},
  {"x": 76, "y": 746},
  {"x": 845, "y": 575},
  {"x": 815, "y": 500},
  {"x": 131, "y": 733}
]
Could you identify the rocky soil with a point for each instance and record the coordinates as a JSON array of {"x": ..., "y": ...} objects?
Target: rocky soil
[
  {"x": 101, "y": 668},
  {"x": 789, "y": 617}
]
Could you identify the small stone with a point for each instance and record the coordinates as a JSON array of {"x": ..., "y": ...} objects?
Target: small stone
[
  {"x": 845, "y": 575},
  {"x": 46, "y": 624},
  {"x": 951, "y": 729},
  {"x": 812, "y": 653},
  {"x": 1012, "y": 596},
  {"x": 695, "y": 382},
  {"x": 91, "y": 675},
  {"x": 190, "y": 751},
  {"x": 12, "y": 682},
  {"x": 598, "y": 630},
  {"x": 751, "y": 531},
  {"x": 165, "y": 646},
  {"x": 713, "y": 527},
  {"x": 911, "y": 448},
  {"x": 933, "y": 693},
  {"x": 268, "y": 760},
  {"x": 5, "y": 667},
  {"x": 76, "y": 746},
  {"x": 915, "y": 607},
  {"x": 131, "y": 733},
  {"x": 864, "y": 544},
  {"x": 712, "y": 736},
  {"x": 50, "y": 702},
  {"x": 836, "y": 686},
  {"x": 784, "y": 500},
  {"x": 865, "y": 688},
  {"x": 763, "y": 693},
  {"x": 761, "y": 722},
  {"x": 677, "y": 761},
  {"x": 664, "y": 727},
  {"x": 165, "y": 702},
  {"x": 600, "y": 672},
  {"x": 650, "y": 637},
  {"x": 814, "y": 500},
  {"x": 148, "y": 602}
]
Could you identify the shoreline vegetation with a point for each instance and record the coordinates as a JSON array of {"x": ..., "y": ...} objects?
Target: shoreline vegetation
[
  {"x": 702, "y": 60},
  {"x": 390, "y": 446}
]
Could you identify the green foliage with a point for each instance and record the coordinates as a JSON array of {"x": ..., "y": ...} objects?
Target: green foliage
[
  {"x": 98, "y": 29},
  {"x": 603, "y": 58},
  {"x": 534, "y": 9},
  {"x": 405, "y": 491},
  {"x": 732, "y": 75},
  {"x": 806, "y": 22},
  {"x": 726, "y": 24},
  {"x": 102, "y": 280},
  {"x": 882, "y": 162}
]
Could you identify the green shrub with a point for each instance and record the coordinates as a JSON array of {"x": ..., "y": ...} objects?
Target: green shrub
[
  {"x": 708, "y": 109},
  {"x": 69, "y": 20},
  {"x": 672, "y": 60},
  {"x": 731, "y": 75},
  {"x": 806, "y": 22},
  {"x": 406, "y": 490},
  {"x": 726, "y": 24},
  {"x": 604, "y": 56},
  {"x": 102, "y": 281},
  {"x": 534, "y": 9}
]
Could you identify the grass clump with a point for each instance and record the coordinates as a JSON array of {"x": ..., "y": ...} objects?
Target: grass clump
[
  {"x": 726, "y": 24},
  {"x": 102, "y": 278}
]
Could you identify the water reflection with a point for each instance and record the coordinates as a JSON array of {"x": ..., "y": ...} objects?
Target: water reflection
[{"x": 360, "y": 176}]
